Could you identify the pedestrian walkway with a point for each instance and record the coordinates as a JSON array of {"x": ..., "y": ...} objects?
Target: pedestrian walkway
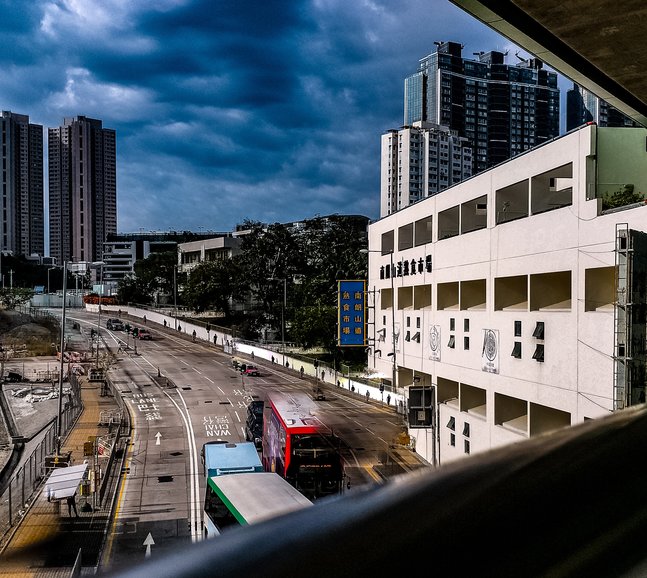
[{"x": 47, "y": 540}]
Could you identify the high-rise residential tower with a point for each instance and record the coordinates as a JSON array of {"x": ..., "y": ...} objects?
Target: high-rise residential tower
[
  {"x": 583, "y": 106},
  {"x": 22, "y": 229},
  {"x": 82, "y": 189},
  {"x": 501, "y": 109},
  {"x": 418, "y": 162}
]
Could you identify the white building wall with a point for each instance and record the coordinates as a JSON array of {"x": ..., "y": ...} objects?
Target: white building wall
[{"x": 575, "y": 381}]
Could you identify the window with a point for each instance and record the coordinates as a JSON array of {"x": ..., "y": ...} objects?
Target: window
[
  {"x": 516, "y": 350},
  {"x": 388, "y": 242},
  {"x": 451, "y": 424},
  {"x": 467, "y": 446},
  {"x": 452, "y": 324},
  {"x": 539, "y": 353},
  {"x": 405, "y": 237},
  {"x": 452, "y": 439},
  {"x": 466, "y": 429},
  {"x": 517, "y": 328},
  {"x": 422, "y": 229},
  {"x": 466, "y": 325},
  {"x": 539, "y": 330},
  {"x": 466, "y": 342},
  {"x": 452, "y": 342}
]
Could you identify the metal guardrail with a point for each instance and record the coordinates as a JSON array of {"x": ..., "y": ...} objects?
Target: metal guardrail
[
  {"x": 17, "y": 493},
  {"x": 565, "y": 504}
]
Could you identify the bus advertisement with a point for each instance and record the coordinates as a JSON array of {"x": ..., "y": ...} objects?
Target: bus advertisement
[{"x": 299, "y": 447}]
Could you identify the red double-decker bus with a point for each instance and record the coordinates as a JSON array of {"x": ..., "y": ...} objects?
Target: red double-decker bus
[{"x": 299, "y": 447}]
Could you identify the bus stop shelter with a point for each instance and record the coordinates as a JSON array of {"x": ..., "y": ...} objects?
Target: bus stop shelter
[{"x": 63, "y": 483}]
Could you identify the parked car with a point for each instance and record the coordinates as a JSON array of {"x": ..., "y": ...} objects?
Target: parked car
[
  {"x": 144, "y": 334},
  {"x": 251, "y": 370},
  {"x": 115, "y": 324}
]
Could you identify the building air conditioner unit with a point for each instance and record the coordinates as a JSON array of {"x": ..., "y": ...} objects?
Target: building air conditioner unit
[{"x": 481, "y": 208}]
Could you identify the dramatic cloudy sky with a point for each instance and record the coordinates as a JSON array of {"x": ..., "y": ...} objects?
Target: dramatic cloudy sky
[{"x": 225, "y": 109}]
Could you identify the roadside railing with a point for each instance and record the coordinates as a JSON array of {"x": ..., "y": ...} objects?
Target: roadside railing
[{"x": 18, "y": 491}]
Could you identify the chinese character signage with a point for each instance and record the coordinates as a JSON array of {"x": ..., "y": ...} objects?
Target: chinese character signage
[{"x": 352, "y": 313}]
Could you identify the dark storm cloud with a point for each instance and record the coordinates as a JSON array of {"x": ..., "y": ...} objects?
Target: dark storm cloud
[{"x": 227, "y": 110}]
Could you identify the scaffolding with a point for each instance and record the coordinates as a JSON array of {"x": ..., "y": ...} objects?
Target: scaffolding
[{"x": 622, "y": 316}]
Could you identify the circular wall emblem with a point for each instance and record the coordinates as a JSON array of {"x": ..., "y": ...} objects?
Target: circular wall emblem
[
  {"x": 490, "y": 345},
  {"x": 434, "y": 339}
]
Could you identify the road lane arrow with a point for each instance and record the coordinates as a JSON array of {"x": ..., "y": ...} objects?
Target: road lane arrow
[
  {"x": 148, "y": 543},
  {"x": 158, "y": 437}
]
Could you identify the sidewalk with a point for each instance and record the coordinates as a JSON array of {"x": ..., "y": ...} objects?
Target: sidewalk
[{"x": 47, "y": 540}]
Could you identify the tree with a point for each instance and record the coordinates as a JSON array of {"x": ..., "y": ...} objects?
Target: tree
[
  {"x": 129, "y": 291},
  {"x": 213, "y": 285},
  {"x": 155, "y": 273},
  {"x": 153, "y": 276},
  {"x": 11, "y": 298},
  {"x": 332, "y": 252},
  {"x": 621, "y": 198},
  {"x": 269, "y": 255}
]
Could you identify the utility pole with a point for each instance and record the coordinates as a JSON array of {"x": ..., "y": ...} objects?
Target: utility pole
[{"x": 59, "y": 422}]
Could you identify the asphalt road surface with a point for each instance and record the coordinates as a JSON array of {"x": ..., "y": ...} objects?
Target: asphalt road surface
[{"x": 160, "y": 504}]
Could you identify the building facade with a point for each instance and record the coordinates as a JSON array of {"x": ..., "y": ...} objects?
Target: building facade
[
  {"x": 121, "y": 252},
  {"x": 501, "y": 109},
  {"x": 22, "y": 227},
  {"x": 82, "y": 189},
  {"x": 193, "y": 253},
  {"x": 583, "y": 106},
  {"x": 419, "y": 161},
  {"x": 514, "y": 303}
]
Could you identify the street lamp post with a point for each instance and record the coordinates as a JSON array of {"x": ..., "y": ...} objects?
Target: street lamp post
[
  {"x": 175, "y": 294},
  {"x": 283, "y": 307},
  {"x": 393, "y": 350},
  {"x": 60, "y": 374},
  {"x": 48, "y": 294},
  {"x": 100, "y": 264},
  {"x": 285, "y": 300}
]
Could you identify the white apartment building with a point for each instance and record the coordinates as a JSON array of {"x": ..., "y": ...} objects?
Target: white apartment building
[
  {"x": 418, "y": 161},
  {"x": 220, "y": 248},
  {"x": 513, "y": 304}
]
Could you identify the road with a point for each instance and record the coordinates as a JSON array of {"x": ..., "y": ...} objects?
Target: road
[{"x": 160, "y": 505}]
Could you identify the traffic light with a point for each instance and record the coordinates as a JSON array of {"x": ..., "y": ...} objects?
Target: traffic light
[{"x": 381, "y": 388}]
